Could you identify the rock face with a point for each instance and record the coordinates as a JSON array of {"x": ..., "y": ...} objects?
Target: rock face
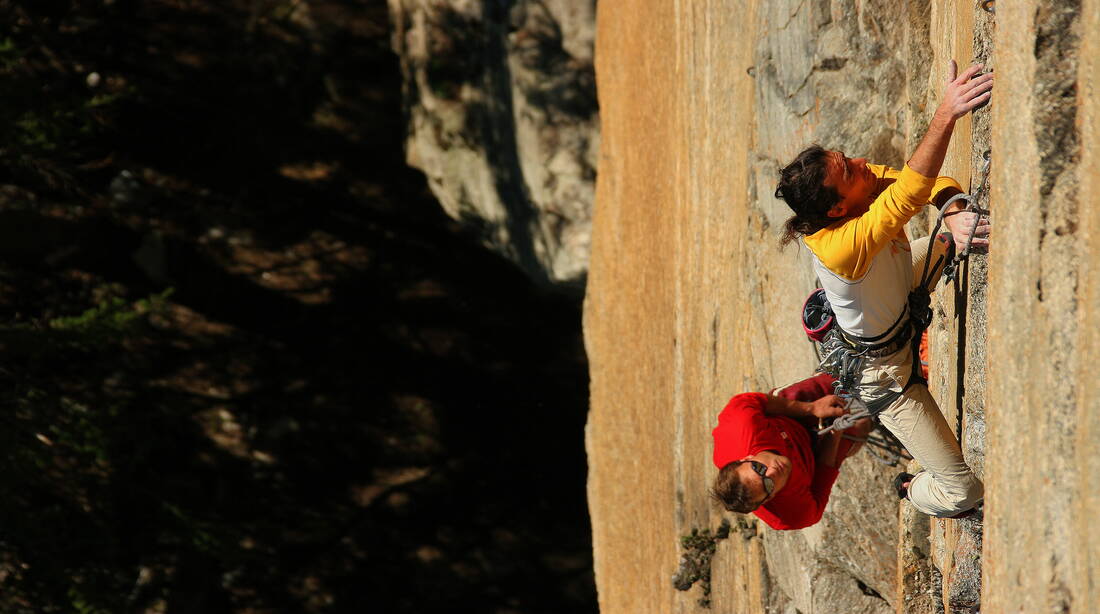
[
  {"x": 502, "y": 114},
  {"x": 1044, "y": 301},
  {"x": 690, "y": 301}
]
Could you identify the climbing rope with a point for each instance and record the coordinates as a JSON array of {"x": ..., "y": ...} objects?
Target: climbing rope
[{"x": 883, "y": 446}]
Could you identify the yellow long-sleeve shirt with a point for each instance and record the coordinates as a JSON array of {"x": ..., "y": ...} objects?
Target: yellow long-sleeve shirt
[{"x": 864, "y": 262}]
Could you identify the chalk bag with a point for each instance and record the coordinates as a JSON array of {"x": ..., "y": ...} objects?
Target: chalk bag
[{"x": 817, "y": 315}]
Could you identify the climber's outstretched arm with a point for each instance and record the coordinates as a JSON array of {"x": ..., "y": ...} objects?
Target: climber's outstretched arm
[{"x": 963, "y": 94}]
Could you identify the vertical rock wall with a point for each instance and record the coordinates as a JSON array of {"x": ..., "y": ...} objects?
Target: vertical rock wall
[
  {"x": 690, "y": 301},
  {"x": 635, "y": 246},
  {"x": 663, "y": 310},
  {"x": 951, "y": 568},
  {"x": 1041, "y": 448}
]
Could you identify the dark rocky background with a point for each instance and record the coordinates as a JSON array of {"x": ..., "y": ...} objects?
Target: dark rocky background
[{"x": 249, "y": 365}]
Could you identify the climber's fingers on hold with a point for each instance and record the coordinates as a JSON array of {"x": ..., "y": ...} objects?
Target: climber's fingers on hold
[
  {"x": 978, "y": 101},
  {"x": 967, "y": 75},
  {"x": 979, "y": 84}
]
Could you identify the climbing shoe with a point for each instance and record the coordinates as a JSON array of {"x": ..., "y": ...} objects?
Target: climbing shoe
[{"x": 902, "y": 478}]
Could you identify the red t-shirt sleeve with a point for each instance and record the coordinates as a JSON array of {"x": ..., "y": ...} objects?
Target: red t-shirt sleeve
[
  {"x": 822, "y": 486},
  {"x": 806, "y": 512},
  {"x": 737, "y": 427},
  {"x": 810, "y": 389}
]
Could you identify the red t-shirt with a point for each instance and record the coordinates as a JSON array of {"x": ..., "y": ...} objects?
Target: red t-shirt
[{"x": 743, "y": 429}]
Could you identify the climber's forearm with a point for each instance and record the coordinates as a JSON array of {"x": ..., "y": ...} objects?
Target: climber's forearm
[
  {"x": 779, "y": 406},
  {"x": 827, "y": 447},
  {"x": 929, "y": 156},
  {"x": 828, "y": 406},
  {"x": 963, "y": 94}
]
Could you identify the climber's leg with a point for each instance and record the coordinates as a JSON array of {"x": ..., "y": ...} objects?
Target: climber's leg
[
  {"x": 946, "y": 486},
  {"x": 942, "y": 250}
]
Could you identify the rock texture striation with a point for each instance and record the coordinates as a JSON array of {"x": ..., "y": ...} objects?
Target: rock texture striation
[
  {"x": 500, "y": 99},
  {"x": 690, "y": 301}
]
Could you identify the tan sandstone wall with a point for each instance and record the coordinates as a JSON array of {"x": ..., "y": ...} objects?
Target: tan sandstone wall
[
  {"x": 949, "y": 579},
  {"x": 630, "y": 450},
  {"x": 1042, "y": 453},
  {"x": 664, "y": 310},
  {"x": 689, "y": 300}
]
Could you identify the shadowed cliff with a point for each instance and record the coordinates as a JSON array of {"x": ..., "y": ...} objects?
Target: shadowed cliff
[{"x": 250, "y": 365}]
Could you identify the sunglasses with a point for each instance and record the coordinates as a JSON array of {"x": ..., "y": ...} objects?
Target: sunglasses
[{"x": 761, "y": 469}]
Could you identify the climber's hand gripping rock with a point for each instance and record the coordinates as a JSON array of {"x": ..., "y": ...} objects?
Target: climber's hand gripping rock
[
  {"x": 965, "y": 92},
  {"x": 959, "y": 224}
]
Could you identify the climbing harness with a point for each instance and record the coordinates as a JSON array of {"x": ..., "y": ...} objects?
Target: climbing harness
[
  {"x": 842, "y": 355},
  {"x": 843, "y": 360}
]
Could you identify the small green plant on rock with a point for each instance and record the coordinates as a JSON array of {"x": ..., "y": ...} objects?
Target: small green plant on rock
[
  {"x": 111, "y": 318},
  {"x": 698, "y": 549}
]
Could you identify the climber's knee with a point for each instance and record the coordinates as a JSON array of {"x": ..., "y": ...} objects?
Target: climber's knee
[
  {"x": 945, "y": 495},
  {"x": 962, "y": 496},
  {"x": 973, "y": 494}
]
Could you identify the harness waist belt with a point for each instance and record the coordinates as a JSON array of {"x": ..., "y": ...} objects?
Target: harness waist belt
[{"x": 902, "y": 336}]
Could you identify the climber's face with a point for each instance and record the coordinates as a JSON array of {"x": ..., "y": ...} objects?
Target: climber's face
[
  {"x": 764, "y": 474},
  {"x": 855, "y": 183}
]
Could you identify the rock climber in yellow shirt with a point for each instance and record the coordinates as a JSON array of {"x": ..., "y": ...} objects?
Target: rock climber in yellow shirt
[{"x": 852, "y": 215}]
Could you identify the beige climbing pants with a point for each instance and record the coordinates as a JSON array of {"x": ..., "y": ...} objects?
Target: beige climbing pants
[{"x": 946, "y": 485}]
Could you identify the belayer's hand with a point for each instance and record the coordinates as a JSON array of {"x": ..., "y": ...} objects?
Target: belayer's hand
[
  {"x": 966, "y": 91},
  {"x": 828, "y": 406}
]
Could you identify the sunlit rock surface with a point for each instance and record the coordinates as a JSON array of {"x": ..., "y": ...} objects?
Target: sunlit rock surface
[
  {"x": 501, "y": 104},
  {"x": 690, "y": 301}
]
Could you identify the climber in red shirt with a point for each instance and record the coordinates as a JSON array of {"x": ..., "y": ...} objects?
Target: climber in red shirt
[{"x": 769, "y": 461}]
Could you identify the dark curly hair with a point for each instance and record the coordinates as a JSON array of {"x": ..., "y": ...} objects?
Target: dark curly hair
[
  {"x": 802, "y": 186},
  {"x": 730, "y": 492}
]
